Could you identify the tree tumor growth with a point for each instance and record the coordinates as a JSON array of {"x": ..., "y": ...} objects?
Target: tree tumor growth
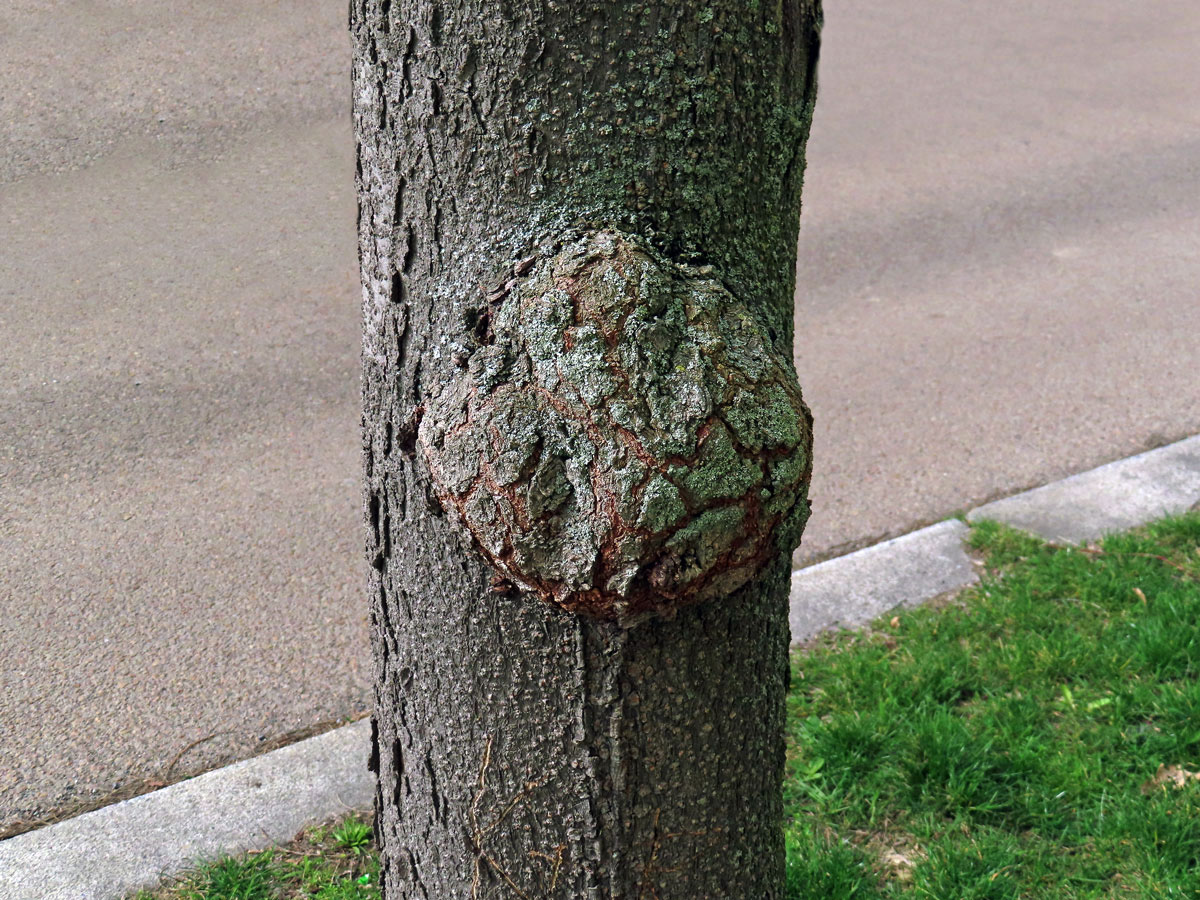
[{"x": 623, "y": 438}]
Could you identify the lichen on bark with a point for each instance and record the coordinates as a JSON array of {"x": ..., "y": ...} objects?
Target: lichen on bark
[{"x": 622, "y": 438}]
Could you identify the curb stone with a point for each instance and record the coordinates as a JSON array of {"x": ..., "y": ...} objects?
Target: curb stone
[
  {"x": 249, "y": 805},
  {"x": 1114, "y": 497},
  {"x": 854, "y": 589},
  {"x": 114, "y": 851}
]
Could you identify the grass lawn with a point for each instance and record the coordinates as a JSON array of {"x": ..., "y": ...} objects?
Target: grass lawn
[
  {"x": 1036, "y": 737},
  {"x": 332, "y": 862}
]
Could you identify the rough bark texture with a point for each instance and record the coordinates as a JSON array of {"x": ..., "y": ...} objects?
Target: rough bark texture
[{"x": 525, "y": 750}]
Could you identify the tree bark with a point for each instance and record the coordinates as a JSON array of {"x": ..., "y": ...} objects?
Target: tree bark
[{"x": 538, "y": 737}]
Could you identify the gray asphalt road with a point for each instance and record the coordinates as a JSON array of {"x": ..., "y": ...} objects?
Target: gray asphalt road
[
  {"x": 999, "y": 278},
  {"x": 998, "y": 285}
]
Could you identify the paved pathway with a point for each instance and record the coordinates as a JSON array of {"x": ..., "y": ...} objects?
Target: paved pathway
[{"x": 997, "y": 287}]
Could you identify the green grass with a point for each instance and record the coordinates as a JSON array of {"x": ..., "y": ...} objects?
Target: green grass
[
  {"x": 326, "y": 863},
  {"x": 1008, "y": 745},
  {"x": 1034, "y": 738}
]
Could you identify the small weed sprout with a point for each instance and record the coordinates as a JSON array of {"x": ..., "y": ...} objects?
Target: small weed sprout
[{"x": 353, "y": 835}]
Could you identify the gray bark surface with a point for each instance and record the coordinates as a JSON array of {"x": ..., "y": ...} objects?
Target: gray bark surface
[{"x": 523, "y": 750}]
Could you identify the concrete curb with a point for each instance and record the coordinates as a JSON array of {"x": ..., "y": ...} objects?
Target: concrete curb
[
  {"x": 114, "y": 851},
  {"x": 854, "y": 589},
  {"x": 1114, "y": 497},
  {"x": 249, "y": 805}
]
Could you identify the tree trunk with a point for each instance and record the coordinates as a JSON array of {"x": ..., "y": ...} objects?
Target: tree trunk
[{"x": 581, "y": 664}]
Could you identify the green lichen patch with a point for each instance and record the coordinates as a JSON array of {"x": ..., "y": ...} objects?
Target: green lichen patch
[{"x": 622, "y": 438}]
